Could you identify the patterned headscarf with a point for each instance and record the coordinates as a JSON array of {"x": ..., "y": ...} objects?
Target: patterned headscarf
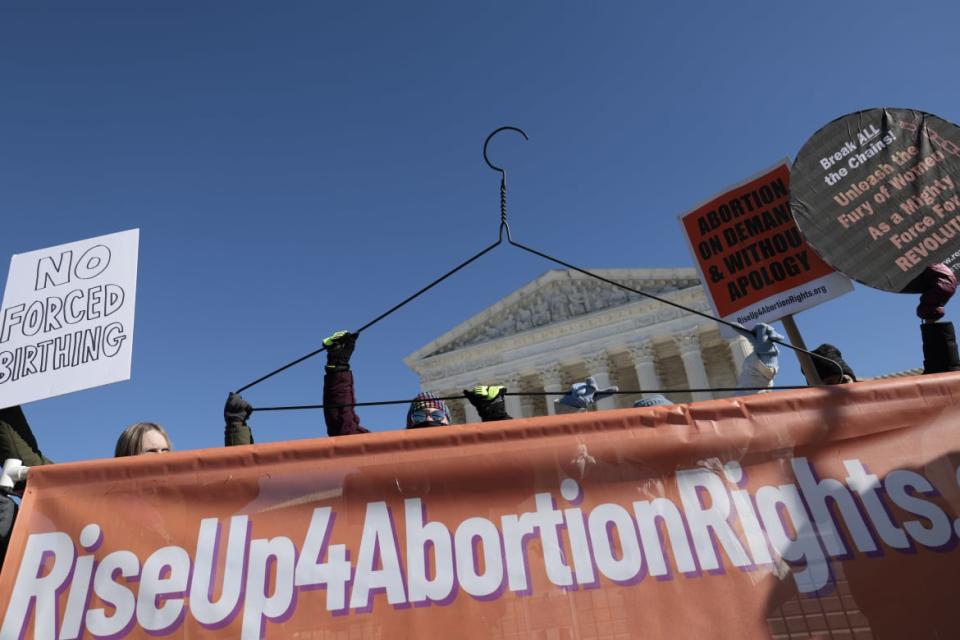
[{"x": 426, "y": 400}]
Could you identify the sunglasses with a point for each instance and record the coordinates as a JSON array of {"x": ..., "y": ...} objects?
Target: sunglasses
[{"x": 432, "y": 416}]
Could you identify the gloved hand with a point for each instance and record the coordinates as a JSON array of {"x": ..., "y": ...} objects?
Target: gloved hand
[
  {"x": 762, "y": 338},
  {"x": 236, "y": 409},
  {"x": 339, "y": 349},
  {"x": 489, "y": 402},
  {"x": 939, "y": 284},
  {"x": 583, "y": 395}
]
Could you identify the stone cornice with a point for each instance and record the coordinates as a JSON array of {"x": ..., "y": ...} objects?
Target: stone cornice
[
  {"x": 635, "y": 315},
  {"x": 555, "y": 302},
  {"x": 533, "y": 351}
]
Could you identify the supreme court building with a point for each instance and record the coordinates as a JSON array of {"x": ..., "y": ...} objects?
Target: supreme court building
[{"x": 564, "y": 326}]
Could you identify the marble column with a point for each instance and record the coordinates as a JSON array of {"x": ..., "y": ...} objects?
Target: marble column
[
  {"x": 552, "y": 377},
  {"x": 688, "y": 342},
  {"x": 739, "y": 349},
  {"x": 513, "y": 405},
  {"x": 644, "y": 361},
  {"x": 598, "y": 366},
  {"x": 470, "y": 412},
  {"x": 458, "y": 414},
  {"x": 451, "y": 405}
]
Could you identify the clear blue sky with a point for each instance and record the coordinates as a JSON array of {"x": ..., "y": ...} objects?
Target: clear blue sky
[{"x": 300, "y": 167}]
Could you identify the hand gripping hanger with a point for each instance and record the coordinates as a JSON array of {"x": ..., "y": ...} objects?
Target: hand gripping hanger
[{"x": 504, "y": 226}]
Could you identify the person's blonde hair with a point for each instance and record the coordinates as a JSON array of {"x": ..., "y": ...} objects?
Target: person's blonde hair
[{"x": 130, "y": 441}]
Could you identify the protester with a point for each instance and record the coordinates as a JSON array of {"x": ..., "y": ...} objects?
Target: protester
[
  {"x": 236, "y": 412},
  {"x": 426, "y": 410},
  {"x": 761, "y": 366},
  {"x": 17, "y": 441},
  {"x": 938, "y": 284},
  {"x": 489, "y": 401},
  {"x": 142, "y": 438},
  {"x": 831, "y": 367},
  {"x": 940, "y": 354},
  {"x": 8, "y": 514},
  {"x": 582, "y": 396}
]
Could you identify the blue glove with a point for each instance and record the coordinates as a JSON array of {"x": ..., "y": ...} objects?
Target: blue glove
[
  {"x": 762, "y": 338},
  {"x": 583, "y": 395}
]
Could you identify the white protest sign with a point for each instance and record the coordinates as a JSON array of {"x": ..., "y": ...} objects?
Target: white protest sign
[{"x": 67, "y": 318}]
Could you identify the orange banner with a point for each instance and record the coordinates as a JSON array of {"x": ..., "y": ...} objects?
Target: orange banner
[{"x": 791, "y": 514}]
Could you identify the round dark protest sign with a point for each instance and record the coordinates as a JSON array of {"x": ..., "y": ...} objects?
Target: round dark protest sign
[{"x": 876, "y": 195}]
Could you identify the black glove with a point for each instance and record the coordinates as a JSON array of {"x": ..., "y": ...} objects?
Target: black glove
[
  {"x": 339, "y": 349},
  {"x": 489, "y": 402},
  {"x": 236, "y": 409},
  {"x": 939, "y": 347}
]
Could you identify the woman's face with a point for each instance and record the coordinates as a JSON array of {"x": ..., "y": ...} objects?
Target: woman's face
[{"x": 154, "y": 442}]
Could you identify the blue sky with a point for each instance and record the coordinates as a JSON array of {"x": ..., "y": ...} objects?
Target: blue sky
[{"x": 300, "y": 167}]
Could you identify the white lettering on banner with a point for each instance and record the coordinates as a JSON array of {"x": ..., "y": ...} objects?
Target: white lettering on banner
[
  {"x": 378, "y": 545},
  {"x": 207, "y": 612},
  {"x": 483, "y": 558},
  {"x": 258, "y": 606},
  {"x": 173, "y": 562},
  {"x": 118, "y": 597},
  {"x": 422, "y": 535}
]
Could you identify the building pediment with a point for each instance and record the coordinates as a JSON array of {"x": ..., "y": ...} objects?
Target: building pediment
[{"x": 557, "y": 297}]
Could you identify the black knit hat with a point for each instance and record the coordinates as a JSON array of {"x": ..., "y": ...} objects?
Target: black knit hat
[{"x": 827, "y": 369}]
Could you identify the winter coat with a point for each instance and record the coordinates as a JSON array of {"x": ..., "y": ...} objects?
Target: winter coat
[
  {"x": 337, "y": 391},
  {"x": 939, "y": 347}
]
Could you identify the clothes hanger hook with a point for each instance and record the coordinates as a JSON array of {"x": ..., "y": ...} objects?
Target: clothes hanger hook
[{"x": 487, "y": 142}]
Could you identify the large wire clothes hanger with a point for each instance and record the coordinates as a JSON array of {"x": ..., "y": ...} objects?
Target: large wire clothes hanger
[{"x": 505, "y": 227}]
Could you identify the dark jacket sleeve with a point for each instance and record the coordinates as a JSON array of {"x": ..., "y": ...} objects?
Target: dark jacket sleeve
[
  {"x": 338, "y": 391},
  {"x": 8, "y": 515},
  {"x": 939, "y": 347},
  {"x": 17, "y": 440},
  {"x": 237, "y": 433}
]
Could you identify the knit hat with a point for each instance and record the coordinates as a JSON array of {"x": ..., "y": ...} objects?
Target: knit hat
[
  {"x": 827, "y": 369},
  {"x": 426, "y": 400},
  {"x": 653, "y": 401}
]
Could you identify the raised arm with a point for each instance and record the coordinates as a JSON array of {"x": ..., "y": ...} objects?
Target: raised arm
[{"x": 338, "y": 386}]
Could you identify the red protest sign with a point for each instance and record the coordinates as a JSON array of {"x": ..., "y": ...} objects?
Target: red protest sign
[{"x": 753, "y": 260}]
